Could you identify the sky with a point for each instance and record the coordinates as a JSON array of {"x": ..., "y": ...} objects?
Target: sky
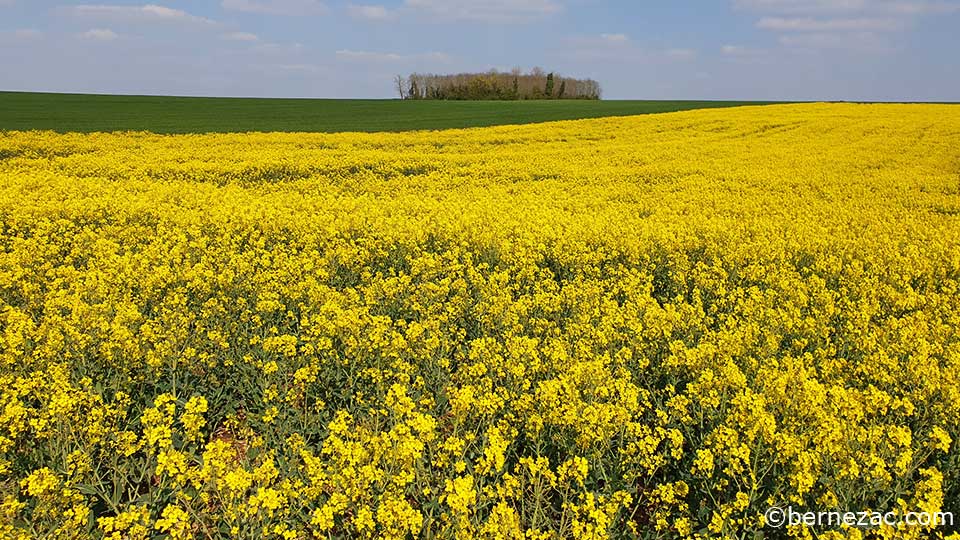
[{"x": 869, "y": 50}]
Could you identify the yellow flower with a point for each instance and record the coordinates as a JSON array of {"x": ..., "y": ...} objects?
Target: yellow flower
[
  {"x": 637, "y": 326},
  {"x": 574, "y": 469},
  {"x": 175, "y": 522},
  {"x": 940, "y": 439},
  {"x": 459, "y": 495},
  {"x": 192, "y": 418}
]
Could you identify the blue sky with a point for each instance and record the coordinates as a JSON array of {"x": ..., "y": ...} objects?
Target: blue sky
[{"x": 705, "y": 49}]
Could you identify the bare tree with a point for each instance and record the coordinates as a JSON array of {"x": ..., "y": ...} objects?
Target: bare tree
[
  {"x": 497, "y": 85},
  {"x": 401, "y": 83}
]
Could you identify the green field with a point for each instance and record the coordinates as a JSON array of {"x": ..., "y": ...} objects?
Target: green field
[{"x": 91, "y": 113}]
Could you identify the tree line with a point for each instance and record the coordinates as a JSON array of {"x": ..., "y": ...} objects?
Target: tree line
[{"x": 495, "y": 85}]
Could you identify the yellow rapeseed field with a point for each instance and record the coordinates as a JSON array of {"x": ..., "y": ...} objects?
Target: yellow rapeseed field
[{"x": 650, "y": 327}]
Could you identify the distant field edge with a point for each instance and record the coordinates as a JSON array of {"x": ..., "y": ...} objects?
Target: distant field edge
[{"x": 87, "y": 113}]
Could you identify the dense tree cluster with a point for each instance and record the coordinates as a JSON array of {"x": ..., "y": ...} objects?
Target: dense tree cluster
[{"x": 496, "y": 85}]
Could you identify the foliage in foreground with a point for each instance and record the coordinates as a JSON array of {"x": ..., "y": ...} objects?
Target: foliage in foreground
[{"x": 649, "y": 327}]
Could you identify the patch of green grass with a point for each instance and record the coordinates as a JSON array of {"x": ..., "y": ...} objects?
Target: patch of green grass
[{"x": 90, "y": 113}]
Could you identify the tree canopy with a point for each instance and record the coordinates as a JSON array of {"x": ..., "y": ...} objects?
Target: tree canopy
[{"x": 495, "y": 85}]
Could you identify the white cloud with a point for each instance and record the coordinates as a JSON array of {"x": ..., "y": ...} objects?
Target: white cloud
[
  {"x": 144, "y": 13},
  {"x": 680, "y": 54},
  {"x": 373, "y": 12},
  {"x": 283, "y": 49},
  {"x": 809, "y": 24},
  {"x": 734, "y": 50},
  {"x": 601, "y": 44},
  {"x": 862, "y": 25},
  {"x": 368, "y": 56},
  {"x": 309, "y": 68},
  {"x": 620, "y": 48},
  {"x": 240, "y": 36},
  {"x": 841, "y": 7},
  {"x": 742, "y": 54},
  {"x": 500, "y": 11},
  {"x": 803, "y": 6},
  {"x": 923, "y": 8},
  {"x": 857, "y": 41},
  {"x": 99, "y": 34},
  {"x": 25, "y": 34},
  {"x": 292, "y": 8},
  {"x": 615, "y": 38}
]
